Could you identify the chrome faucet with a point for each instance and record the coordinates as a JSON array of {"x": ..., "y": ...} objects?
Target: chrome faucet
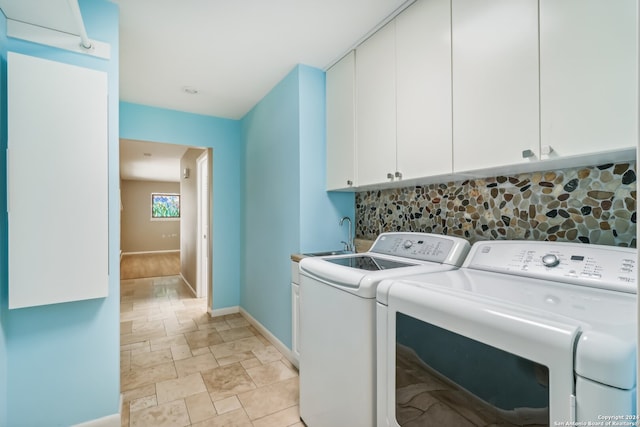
[{"x": 349, "y": 244}]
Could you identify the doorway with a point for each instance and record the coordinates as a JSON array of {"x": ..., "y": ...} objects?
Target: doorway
[{"x": 189, "y": 169}]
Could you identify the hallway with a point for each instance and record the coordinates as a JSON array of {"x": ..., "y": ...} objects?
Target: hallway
[{"x": 180, "y": 367}]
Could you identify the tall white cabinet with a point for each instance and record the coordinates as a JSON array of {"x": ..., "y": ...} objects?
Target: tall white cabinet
[
  {"x": 495, "y": 83},
  {"x": 376, "y": 107},
  {"x": 403, "y": 97},
  {"x": 57, "y": 182},
  {"x": 588, "y": 75},
  {"x": 423, "y": 90},
  {"x": 341, "y": 122}
]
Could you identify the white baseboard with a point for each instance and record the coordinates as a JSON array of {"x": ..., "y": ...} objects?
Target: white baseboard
[
  {"x": 149, "y": 252},
  {"x": 270, "y": 337},
  {"x": 113, "y": 420},
  {"x": 223, "y": 311},
  {"x": 193, "y": 291}
]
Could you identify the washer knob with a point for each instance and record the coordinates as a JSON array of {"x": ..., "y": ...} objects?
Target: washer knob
[
  {"x": 408, "y": 244},
  {"x": 550, "y": 260}
]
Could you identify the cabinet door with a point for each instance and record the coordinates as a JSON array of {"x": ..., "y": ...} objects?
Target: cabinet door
[
  {"x": 295, "y": 321},
  {"x": 495, "y": 82},
  {"x": 423, "y": 55},
  {"x": 376, "y": 107},
  {"x": 341, "y": 124},
  {"x": 57, "y": 182},
  {"x": 588, "y": 75}
]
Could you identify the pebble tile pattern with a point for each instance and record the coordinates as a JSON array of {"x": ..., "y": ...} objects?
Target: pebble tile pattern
[{"x": 589, "y": 205}]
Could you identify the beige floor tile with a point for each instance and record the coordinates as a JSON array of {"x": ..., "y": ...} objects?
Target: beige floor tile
[
  {"x": 143, "y": 403},
  {"x": 205, "y": 362},
  {"x": 227, "y": 405},
  {"x": 200, "y": 351},
  {"x": 270, "y": 373},
  {"x": 172, "y": 414},
  {"x": 178, "y": 364},
  {"x": 146, "y": 376},
  {"x": 125, "y": 360},
  {"x": 180, "y": 352},
  {"x": 226, "y": 381},
  {"x": 235, "y": 358},
  {"x": 267, "y": 354},
  {"x": 179, "y": 388},
  {"x": 200, "y": 407},
  {"x": 136, "y": 393},
  {"x": 250, "y": 363},
  {"x": 239, "y": 346},
  {"x": 286, "y": 417},
  {"x": 236, "y": 334},
  {"x": 167, "y": 342},
  {"x": 145, "y": 360},
  {"x": 237, "y": 322},
  {"x": 203, "y": 338},
  {"x": 270, "y": 399},
  {"x": 142, "y": 336},
  {"x": 126, "y": 327},
  {"x": 237, "y": 418}
]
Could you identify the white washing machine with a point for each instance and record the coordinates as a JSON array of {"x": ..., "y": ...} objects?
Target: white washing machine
[
  {"x": 338, "y": 324},
  {"x": 525, "y": 333}
]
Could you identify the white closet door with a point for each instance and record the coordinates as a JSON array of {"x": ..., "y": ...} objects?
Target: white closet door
[{"x": 57, "y": 182}]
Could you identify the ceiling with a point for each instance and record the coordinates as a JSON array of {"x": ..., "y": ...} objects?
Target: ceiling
[{"x": 230, "y": 52}]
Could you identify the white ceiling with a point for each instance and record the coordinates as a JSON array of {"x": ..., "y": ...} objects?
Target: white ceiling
[
  {"x": 233, "y": 52},
  {"x": 150, "y": 161}
]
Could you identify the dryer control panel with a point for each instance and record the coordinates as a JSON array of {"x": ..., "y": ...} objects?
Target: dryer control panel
[{"x": 606, "y": 267}]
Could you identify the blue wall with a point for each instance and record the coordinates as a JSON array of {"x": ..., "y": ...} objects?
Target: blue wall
[
  {"x": 320, "y": 211},
  {"x": 286, "y": 209},
  {"x": 61, "y": 362},
  {"x": 223, "y": 136}
]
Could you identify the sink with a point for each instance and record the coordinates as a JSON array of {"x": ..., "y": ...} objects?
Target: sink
[{"x": 327, "y": 253}]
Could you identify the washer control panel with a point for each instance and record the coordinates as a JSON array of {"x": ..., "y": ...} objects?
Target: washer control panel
[
  {"x": 422, "y": 247},
  {"x": 607, "y": 267}
]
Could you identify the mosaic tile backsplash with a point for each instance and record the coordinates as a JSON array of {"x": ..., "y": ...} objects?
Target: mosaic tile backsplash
[{"x": 589, "y": 205}]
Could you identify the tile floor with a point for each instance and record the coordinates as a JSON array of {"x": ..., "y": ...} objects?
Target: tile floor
[{"x": 181, "y": 367}]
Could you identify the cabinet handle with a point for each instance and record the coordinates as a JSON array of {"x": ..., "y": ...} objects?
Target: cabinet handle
[
  {"x": 349, "y": 182},
  {"x": 527, "y": 153},
  {"x": 390, "y": 176},
  {"x": 398, "y": 174},
  {"x": 546, "y": 150}
]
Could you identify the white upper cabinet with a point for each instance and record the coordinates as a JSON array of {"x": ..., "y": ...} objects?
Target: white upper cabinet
[
  {"x": 376, "y": 107},
  {"x": 57, "y": 182},
  {"x": 341, "y": 124},
  {"x": 423, "y": 71},
  {"x": 495, "y": 83},
  {"x": 588, "y": 75}
]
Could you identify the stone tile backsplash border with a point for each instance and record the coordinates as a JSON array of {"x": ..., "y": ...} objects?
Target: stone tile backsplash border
[{"x": 589, "y": 205}]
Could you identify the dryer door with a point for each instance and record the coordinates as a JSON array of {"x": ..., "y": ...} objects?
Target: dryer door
[{"x": 449, "y": 358}]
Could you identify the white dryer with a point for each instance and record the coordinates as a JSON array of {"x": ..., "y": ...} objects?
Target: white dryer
[
  {"x": 525, "y": 333},
  {"x": 338, "y": 321}
]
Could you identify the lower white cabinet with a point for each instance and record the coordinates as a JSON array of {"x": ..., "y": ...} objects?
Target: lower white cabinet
[{"x": 295, "y": 312}]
